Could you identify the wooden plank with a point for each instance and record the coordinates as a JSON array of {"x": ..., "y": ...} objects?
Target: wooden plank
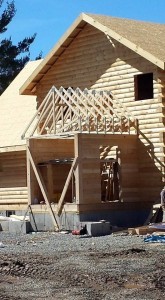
[
  {"x": 14, "y": 201},
  {"x": 19, "y": 189},
  {"x": 5, "y": 197},
  {"x": 143, "y": 230},
  {"x": 43, "y": 188},
  {"x": 61, "y": 201},
  {"x": 13, "y": 206}
]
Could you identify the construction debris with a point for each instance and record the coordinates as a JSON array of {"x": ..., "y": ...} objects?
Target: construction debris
[
  {"x": 155, "y": 238},
  {"x": 143, "y": 230}
]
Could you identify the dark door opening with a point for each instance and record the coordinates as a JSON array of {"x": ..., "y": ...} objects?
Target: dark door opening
[{"x": 109, "y": 180}]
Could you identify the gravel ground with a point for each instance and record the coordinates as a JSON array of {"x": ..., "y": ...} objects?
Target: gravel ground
[{"x": 63, "y": 266}]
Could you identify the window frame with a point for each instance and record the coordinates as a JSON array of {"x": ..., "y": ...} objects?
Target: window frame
[{"x": 140, "y": 80}]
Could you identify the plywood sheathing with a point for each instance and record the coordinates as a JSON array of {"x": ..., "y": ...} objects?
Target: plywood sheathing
[{"x": 16, "y": 111}]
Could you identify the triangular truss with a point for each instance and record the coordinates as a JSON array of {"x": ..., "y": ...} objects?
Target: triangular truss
[{"x": 73, "y": 110}]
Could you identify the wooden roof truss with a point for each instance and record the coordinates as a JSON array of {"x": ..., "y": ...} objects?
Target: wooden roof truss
[{"x": 69, "y": 111}]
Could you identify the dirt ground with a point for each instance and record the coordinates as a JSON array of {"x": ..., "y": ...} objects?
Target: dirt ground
[{"x": 55, "y": 266}]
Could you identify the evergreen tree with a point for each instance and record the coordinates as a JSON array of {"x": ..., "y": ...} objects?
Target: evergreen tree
[{"x": 12, "y": 57}]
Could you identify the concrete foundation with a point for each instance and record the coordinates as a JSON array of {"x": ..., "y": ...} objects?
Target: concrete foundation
[
  {"x": 19, "y": 227},
  {"x": 41, "y": 221},
  {"x": 72, "y": 221}
]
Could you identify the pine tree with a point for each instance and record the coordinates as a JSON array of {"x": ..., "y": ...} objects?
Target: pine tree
[{"x": 12, "y": 57}]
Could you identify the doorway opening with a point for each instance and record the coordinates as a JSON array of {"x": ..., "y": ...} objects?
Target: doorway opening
[{"x": 109, "y": 170}]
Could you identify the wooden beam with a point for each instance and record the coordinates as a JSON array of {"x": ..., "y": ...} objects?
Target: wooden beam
[
  {"x": 61, "y": 201},
  {"x": 43, "y": 188}
]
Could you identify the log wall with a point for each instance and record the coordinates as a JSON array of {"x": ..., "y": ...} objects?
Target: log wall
[
  {"x": 13, "y": 183},
  {"x": 95, "y": 61}
]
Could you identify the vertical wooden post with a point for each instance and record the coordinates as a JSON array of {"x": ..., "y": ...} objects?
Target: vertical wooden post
[
  {"x": 50, "y": 180},
  {"x": 54, "y": 114},
  {"x": 61, "y": 201},
  {"x": 78, "y": 170},
  {"x": 29, "y": 171}
]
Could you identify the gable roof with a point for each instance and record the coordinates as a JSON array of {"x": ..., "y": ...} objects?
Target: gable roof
[
  {"x": 145, "y": 38},
  {"x": 16, "y": 110}
]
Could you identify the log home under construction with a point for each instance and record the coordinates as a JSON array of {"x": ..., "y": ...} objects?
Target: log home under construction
[{"x": 94, "y": 146}]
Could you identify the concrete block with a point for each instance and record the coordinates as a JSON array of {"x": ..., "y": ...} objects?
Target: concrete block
[
  {"x": 19, "y": 227},
  {"x": 98, "y": 228},
  {"x": 4, "y": 225}
]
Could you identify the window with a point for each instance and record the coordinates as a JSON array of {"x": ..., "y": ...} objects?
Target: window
[{"x": 143, "y": 86}]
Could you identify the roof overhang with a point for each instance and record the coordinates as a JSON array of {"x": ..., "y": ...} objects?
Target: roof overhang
[{"x": 29, "y": 87}]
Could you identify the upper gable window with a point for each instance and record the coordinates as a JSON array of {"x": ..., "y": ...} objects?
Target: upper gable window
[{"x": 143, "y": 86}]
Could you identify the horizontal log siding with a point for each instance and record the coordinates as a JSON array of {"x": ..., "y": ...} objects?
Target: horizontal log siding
[
  {"x": 94, "y": 61},
  {"x": 13, "y": 183},
  {"x": 13, "y": 169}
]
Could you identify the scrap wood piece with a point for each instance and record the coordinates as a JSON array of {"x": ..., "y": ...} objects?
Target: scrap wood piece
[
  {"x": 131, "y": 231},
  {"x": 43, "y": 189},
  {"x": 143, "y": 230}
]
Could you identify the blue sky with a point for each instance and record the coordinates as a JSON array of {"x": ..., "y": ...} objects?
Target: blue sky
[{"x": 51, "y": 18}]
